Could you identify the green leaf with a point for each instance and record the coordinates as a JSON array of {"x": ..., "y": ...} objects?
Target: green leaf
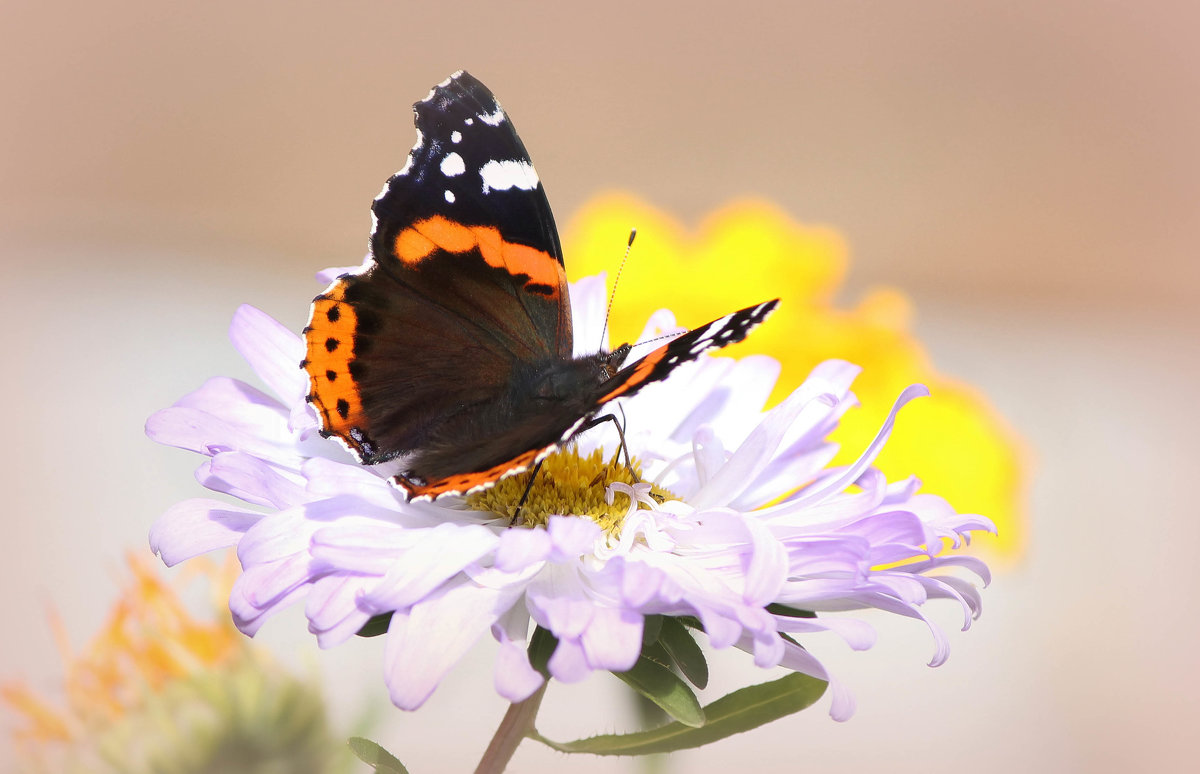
[
  {"x": 684, "y": 652},
  {"x": 375, "y": 625},
  {"x": 375, "y": 756},
  {"x": 541, "y": 648},
  {"x": 663, "y": 687},
  {"x": 651, "y": 628},
  {"x": 742, "y": 710},
  {"x": 790, "y": 612},
  {"x": 658, "y": 654}
]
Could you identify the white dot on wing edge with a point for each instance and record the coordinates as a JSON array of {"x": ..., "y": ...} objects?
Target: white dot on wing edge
[{"x": 495, "y": 118}]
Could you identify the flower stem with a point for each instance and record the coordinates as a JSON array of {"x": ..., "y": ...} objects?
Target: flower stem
[{"x": 516, "y": 725}]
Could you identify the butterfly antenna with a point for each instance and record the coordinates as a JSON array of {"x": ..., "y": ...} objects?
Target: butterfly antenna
[
  {"x": 613, "y": 294},
  {"x": 674, "y": 335}
]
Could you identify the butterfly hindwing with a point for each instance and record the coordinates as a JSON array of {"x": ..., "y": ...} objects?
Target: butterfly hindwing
[
  {"x": 383, "y": 388},
  {"x": 539, "y": 434}
]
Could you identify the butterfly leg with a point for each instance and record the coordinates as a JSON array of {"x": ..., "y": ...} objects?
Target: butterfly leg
[
  {"x": 525, "y": 495},
  {"x": 597, "y": 421}
]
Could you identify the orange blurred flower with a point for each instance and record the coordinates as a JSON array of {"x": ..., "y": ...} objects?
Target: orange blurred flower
[
  {"x": 159, "y": 689},
  {"x": 751, "y": 251}
]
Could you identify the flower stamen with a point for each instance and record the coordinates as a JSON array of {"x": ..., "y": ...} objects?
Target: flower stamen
[{"x": 569, "y": 484}]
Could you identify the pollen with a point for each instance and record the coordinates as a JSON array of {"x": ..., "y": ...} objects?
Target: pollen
[{"x": 567, "y": 484}]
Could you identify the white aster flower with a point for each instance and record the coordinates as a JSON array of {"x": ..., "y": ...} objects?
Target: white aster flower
[{"x": 736, "y": 521}]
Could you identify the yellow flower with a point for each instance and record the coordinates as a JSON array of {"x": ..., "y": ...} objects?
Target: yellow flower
[
  {"x": 161, "y": 690},
  {"x": 751, "y": 251}
]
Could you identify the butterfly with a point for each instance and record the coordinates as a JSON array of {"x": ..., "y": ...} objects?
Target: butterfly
[{"x": 450, "y": 350}]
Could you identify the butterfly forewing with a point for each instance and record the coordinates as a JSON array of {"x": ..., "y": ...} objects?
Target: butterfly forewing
[
  {"x": 464, "y": 284},
  {"x": 659, "y": 364},
  {"x": 469, "y": 191}
]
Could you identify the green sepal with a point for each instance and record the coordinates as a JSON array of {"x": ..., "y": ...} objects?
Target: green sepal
[
  {"x": 742, "y": 710},
  {"x": 666, "y": 689},
  {"x": 789, "y": 612},
  {"x": 375, "y": 756},
  {"x": 685, "y": 653},
  {"x": 541, "y": 647},
  {"x": 375, "y": 625}
]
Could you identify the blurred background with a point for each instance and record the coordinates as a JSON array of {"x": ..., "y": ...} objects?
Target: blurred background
[{"x": 1026, "y": 173}]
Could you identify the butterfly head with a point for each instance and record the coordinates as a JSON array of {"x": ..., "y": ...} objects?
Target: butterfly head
[{"x": 610, "y": 362}]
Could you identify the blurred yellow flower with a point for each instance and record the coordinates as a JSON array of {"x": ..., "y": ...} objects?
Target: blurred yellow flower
[
  {"x": 751, "y": 251},
  {"x": 161, "y": 690}
]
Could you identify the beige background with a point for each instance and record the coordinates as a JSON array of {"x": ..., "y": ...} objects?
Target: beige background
[{"x": 1028, "y": 172}]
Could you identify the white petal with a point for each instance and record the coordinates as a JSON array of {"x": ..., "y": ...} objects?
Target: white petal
[
  {"x": 331, "y": 609},
  {"x": 442, "y": 552},
  {"x": 572, "y": 537},
  {"x": 613, "y": 639},
  {"x": 767, "y": 568},
  {"x": 282, "y": 534},
  {"x": 246, "y": 476},
  {"x": 199, "y": 431},
  {"x": 427, "y": 641},
  {"x": 756, "y": 452},
  {"x": 558, "y": 602},
  {"x": 852, "y": 473},
  {"x": 521, "y": 548},
  {"x": 568, "y": 662},
  {"x": 735, "y": 406},
  {"x": 588, "y": 303},
  {"x": 326, "y": 478},
  {"x": 800, "y": 660},
  {"x": 265, "y": 589},
  {"x": 273, "y": 351},
  {"x": 195, "y": 527},
  {"x": 327, "y": 276},
  {"x": 514, "y": 677}
]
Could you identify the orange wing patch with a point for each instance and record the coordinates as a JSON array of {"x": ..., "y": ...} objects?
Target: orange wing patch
[
  {"x": 332, "y": 389},
  {"x": 417, "y": 242},
  {"x": 468, "y": 482},
  {"x": 640, "y": 372}
]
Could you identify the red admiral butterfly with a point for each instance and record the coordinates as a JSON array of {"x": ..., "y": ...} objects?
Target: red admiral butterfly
[{"x": 451, "y": 348}]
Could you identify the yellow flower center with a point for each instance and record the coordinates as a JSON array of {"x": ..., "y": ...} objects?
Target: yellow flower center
[{"x": 570, "y": 485}]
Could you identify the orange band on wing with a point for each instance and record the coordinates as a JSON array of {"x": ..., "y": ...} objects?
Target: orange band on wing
[
  {"x": 416, "y": 243},
  {"x": 640, "y": 372},
  {"x": 468, "y": 481},
  {"x": 413, "y": 247}
]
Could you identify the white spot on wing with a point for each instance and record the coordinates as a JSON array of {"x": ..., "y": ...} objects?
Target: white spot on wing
[
  {"x": 469, "y": 121},
  {"x": 453, "y": 165},
  {"x": 503, "y": 175},
  {"x": 456, "y": 136},
  {"x": 492, "y": 119},
  {"x": 450, "y": 197}
]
